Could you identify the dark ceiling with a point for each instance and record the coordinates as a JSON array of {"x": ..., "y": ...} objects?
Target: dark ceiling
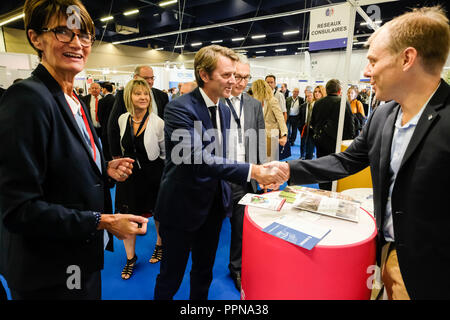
[{"x": 153, "y": 20}]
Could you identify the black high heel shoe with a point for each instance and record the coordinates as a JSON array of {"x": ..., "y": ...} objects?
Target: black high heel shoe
[
  {"x": 127, "y": 271},
  {"x": 157, "y": 254}
]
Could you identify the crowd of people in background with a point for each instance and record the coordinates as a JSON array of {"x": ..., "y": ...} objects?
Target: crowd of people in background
[{"x": 67, "y": 150}]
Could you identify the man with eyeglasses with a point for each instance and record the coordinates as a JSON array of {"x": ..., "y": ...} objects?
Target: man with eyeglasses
[
  {"x": 159, "y": 101},
  {"x": 245, "y": 145}
]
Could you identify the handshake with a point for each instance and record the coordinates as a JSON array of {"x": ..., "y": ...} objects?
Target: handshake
[{"x": 271, "y": 175}]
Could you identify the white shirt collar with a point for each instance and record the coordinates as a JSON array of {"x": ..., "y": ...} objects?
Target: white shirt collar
[
  {"x": 208, "y": 101},
  {"x": 74, "y": 104}
]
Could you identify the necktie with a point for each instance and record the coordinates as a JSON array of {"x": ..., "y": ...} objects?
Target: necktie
[
  {"x": 90, "y": 138},
  {"x": 212, "y": 110},
  {"x": 96, "y": 109}
]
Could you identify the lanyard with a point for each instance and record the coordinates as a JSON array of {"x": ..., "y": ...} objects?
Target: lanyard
[
  {"x": 236, "y": 118},
  {"x": 133, "y": 137},
  {"x": 88, "y": 128}
]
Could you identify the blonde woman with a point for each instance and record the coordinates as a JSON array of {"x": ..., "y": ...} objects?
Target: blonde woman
[
  {"x": 141, "y": 138},
  {"x": 276, "y": 129},
  {"x": 319, "y": 92}
]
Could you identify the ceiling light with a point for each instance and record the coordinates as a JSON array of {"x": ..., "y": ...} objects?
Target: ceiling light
[
  {"x": 131, "y": 12},
  {"x": 179, "y": 46},
  {"x": 237, "y": 39},
  {"x": 196, "y": 44},
  {"x": 167, "y": 3},
  {"x": 302, "y": 48},
  {"x": 262, "y": 51},
  {"x": 106, "y": 18},
  {"x": 259, "y": 36},
  {"x": 217, "y": 41},
  {"x": 159, "y": 49},
  {"x": 20, "y": 16},
  {"x": 280, "y": 50},
  {"x": 290, "y": 32}
]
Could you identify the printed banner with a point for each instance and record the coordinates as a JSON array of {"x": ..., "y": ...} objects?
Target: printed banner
[{"x": 328, "y": 27}]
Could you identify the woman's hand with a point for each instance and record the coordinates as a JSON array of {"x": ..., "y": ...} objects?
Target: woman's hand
[
  {"x": 282, "y": 141},
  {"x": 120, "y": 169}
]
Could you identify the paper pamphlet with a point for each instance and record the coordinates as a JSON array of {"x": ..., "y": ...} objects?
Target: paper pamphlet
[
  {"x": 298, "y": 231},
  {"x": 262, "y": 201},
  {"x": 323, "y": 202}
]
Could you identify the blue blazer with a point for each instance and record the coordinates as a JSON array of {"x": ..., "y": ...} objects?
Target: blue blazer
[
  {"x": 192, "y": 175},
  {"x": 49, "y": 186}
]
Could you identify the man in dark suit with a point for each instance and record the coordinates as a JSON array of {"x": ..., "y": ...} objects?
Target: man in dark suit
[
  {"x": 247, "y": 144},
  {"x": 325, "y": 119},
  {"x": 406, "y": 143},
  {"x": 91, "y": 101},
  {"x": 194, "y": 197},
  {"x": 104, "y": 110},
  {"x": 306, "y": 143},
  {"x": 293, "y": 104},
  {"x": 159, "y": 101}
]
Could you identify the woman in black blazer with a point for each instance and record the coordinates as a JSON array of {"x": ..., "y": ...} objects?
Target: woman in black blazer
[{"x": 53, "y": 197}]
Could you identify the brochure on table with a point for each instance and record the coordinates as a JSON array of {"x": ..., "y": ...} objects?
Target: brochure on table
[
  {"x": 262, "y": 201},
  {"x": 297, "y": 230},
  {"x": 323, "y": 202}
]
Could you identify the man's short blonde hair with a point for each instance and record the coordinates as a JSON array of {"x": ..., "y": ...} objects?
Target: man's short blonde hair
[
  {"x": 425, "y": 29},
  {"x": 206, "y": 59},
  {"x": 131, "y": 86}
]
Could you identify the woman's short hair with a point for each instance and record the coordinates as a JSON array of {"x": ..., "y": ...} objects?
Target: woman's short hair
[
  {"x": 425, "y": 29},
  {"x": 261, "y": 90},
  {"x": 38, "y": 14},
  {"x": 206, "y": 59},
  {"x": 131, "y": 86}
]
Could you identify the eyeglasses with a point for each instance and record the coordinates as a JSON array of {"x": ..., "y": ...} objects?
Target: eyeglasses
[
  {"x": 148, "y": 78},
  {"x": 65, "y": 35},
  {"x": 240, "y": 78}
]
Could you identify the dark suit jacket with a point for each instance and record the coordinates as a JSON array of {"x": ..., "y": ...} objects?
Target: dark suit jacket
[
  {"x": 255, "y": 146},
  {"x": 326, "y": 111},
  {"x": 419, "y": 209},
  {"x": 104, "y": 109},
  {"x": 49, "y": 187},
  {"x": 161, "y": 99},
  {"x": 188, "y": 187},
  {"x": 290, "y": 100},
  {"x": 87, "y": 101}
]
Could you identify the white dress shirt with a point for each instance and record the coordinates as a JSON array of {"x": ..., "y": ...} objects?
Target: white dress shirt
[
  {"x": 210, "y": 103},
  {"x": 92, "y": 109},
  {"x": 237, "y": 150}
]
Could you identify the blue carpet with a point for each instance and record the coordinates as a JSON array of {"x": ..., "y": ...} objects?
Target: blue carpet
[{"x": 141, "y": 285}]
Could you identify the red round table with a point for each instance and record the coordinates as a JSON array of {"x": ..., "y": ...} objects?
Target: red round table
[{"x": 340, "y": 266}]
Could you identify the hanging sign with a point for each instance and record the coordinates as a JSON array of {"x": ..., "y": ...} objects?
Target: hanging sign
[{"x": 328, "y": 27}]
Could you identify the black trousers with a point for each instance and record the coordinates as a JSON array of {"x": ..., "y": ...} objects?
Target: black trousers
[
  {"x": 90, "y": 289},
  {"x": 3, "y": 295},
  {"x": 325, "y": 147},
  {"x": 237, "y": 224},
  {"x": 178, "y": 243}
]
